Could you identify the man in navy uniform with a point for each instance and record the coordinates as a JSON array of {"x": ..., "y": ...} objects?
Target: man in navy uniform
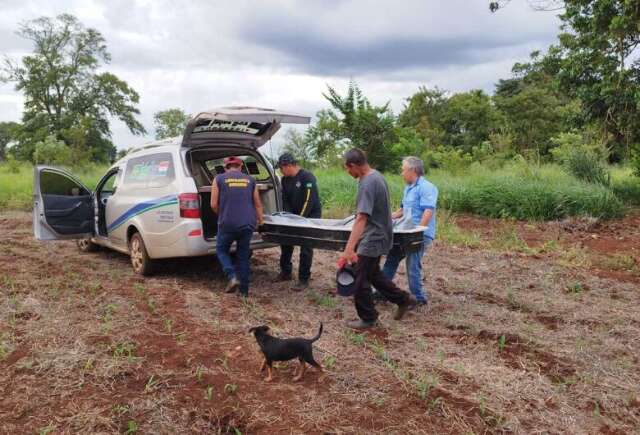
[
  {"x": 300, "y": 196},
  {"x": 236, "y": 201}
]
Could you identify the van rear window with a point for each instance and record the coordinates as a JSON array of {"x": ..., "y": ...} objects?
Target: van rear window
[
  {"x": 155, "y": 170},
  {"x": 251, "y": 167}
]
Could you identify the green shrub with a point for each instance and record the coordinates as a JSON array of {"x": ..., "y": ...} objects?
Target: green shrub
[
  {"x": 588, "y": 167},
  {"x": 452, "y": 159},
  {"x": 12, "y": 165},
  {"x": 52, "y": 151},
  {"x": 586, "y": 161}
]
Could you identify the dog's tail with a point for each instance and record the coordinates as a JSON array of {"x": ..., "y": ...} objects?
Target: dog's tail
[{"x": 318, "y": 335}]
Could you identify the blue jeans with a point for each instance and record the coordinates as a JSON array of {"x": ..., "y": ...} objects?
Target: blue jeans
[
  {"x": 242, "y": 271},
  {"x": 414, "y": 268}
]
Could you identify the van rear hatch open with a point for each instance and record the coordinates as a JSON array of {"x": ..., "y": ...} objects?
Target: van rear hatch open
[{"x": 242, "y": 125}]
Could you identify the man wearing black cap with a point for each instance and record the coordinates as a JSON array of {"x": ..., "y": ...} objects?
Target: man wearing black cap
[{"x": 300, "y": 196}]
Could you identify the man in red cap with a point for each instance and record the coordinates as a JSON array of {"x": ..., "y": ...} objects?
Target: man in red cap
[{"x": 236, "y": 201}]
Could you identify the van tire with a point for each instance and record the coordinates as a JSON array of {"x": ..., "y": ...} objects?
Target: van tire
[
  {"x": 140, "y": 261},
  {"x": 86, "y": 245}
]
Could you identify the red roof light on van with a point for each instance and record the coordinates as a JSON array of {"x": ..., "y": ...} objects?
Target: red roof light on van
[{"x": 189, "y": 205}]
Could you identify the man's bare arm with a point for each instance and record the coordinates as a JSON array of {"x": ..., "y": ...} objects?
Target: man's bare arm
[
  {"x": 215, "y": 193},
  {"x": 258, "y": 205},
  {"x": 349, "y": 254},
  {"x": 426, "y": 217}
]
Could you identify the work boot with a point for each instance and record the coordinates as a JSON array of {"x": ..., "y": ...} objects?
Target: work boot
[
  {"x": 282, "y": 276},
  {"x": 408, "y": 305},
  {"x": 232, "y": 286},
  {"x": 360, "y": 324},
  {"x": 300, "y": 285}
]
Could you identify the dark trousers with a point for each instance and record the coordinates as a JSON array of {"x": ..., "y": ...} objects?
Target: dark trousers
[
  {"x": 368, "y": 273},
  {"x": 242, "y": 269},
  {"x": 306, "y": 259}
]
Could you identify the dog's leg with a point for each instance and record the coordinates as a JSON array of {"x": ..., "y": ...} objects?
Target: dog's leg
[
  {"x": 269, "y": 374},
  {"x": 309, "y": 358},
  {"x": 303, "y": 368},
  {"x": 264, "y": 365}
]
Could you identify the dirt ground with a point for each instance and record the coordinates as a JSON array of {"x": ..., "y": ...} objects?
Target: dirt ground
[{"x": 533, "y": 328}]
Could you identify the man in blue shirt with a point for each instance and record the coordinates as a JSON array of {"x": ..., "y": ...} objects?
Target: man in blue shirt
[{"x": 419, "y": 199}]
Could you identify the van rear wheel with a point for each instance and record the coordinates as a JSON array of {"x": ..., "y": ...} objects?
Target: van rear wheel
[{"x": 140, "y": 261}]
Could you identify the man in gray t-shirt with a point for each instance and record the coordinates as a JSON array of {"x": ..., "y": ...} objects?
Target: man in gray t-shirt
[
  {"x": 372, "y": 234},
  {"x": 373, "y": 200}
]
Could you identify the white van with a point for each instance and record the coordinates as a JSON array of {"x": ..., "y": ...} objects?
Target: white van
[{"x": 154, "y": 202}]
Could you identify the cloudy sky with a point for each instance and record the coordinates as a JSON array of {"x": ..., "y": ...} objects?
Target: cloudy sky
[{"x": 201, "y": 54}]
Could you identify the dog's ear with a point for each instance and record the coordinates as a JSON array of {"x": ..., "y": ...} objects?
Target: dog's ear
[
  {"x": 252, "y": 330},
  {"x": 265, "y": 328}
]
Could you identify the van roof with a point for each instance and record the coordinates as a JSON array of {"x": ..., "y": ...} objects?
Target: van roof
[{"x": 168, "y": 144}]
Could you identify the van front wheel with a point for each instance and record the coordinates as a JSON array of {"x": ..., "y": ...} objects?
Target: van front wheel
[{"x": 140, "y": 261}]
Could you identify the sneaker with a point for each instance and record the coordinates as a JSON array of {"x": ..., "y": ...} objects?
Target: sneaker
[
  {"x": 283, "y": 277},
  {"x": 360, "y": 324},
  {"x": 300, "y": 285},
  {"x": 408, "y": 305},
  {"x": 232, "y": 286}
]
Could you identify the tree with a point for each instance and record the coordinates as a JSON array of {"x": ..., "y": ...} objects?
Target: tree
[
  {"x": 601, "y": 68},
  {"x": 423, "y": 112},
  {"x": 535, "y": 106},
  {"x": 368, "y": 127},
  {"x": 597, "y": 65},
  {"x": 170, "y": 123},
  {"x": 8, "y": 133},
  {"x": 300, "y": 146},
  {"x": 468, "y": 119},
  {"x": 65, "y": 95},
  {"x": 533, "y": 116}
]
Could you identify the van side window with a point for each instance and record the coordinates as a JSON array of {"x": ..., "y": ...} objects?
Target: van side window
[{"x": 155, "y": 170}]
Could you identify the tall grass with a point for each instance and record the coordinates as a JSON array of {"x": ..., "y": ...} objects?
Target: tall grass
[
  {"x": 625, "y": 185},
  {"x": 525, "y": 193},
  {"x": 517, "y": 191}
]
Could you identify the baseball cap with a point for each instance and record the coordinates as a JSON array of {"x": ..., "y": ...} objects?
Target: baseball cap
[
  {"x": 286, "y": 159},
  {"x": 232, "y": 160}
]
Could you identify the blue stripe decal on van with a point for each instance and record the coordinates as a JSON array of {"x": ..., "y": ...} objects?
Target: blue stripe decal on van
[{"x": 141, "y": 208}]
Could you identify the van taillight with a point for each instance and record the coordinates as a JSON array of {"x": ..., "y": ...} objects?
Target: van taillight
[{"x": 189, "y": 205}]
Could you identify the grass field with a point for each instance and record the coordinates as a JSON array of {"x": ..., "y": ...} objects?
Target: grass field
[{"x": 518, "y": 191}]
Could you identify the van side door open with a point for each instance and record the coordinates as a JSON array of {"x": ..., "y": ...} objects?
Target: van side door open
[{"x": 62, "y": 206}]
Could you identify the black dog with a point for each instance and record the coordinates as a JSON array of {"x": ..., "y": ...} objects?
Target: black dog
[{"x": 284, "y": 349}]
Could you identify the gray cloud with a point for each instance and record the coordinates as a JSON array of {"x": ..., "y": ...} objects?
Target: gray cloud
[{"x": 317, "y": 55}]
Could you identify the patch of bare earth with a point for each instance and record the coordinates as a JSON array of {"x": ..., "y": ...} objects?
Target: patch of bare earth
[{"x": 529, "y": 341}]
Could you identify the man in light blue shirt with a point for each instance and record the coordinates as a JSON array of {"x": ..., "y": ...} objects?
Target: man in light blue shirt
[{"x": 419, "y": 199}]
